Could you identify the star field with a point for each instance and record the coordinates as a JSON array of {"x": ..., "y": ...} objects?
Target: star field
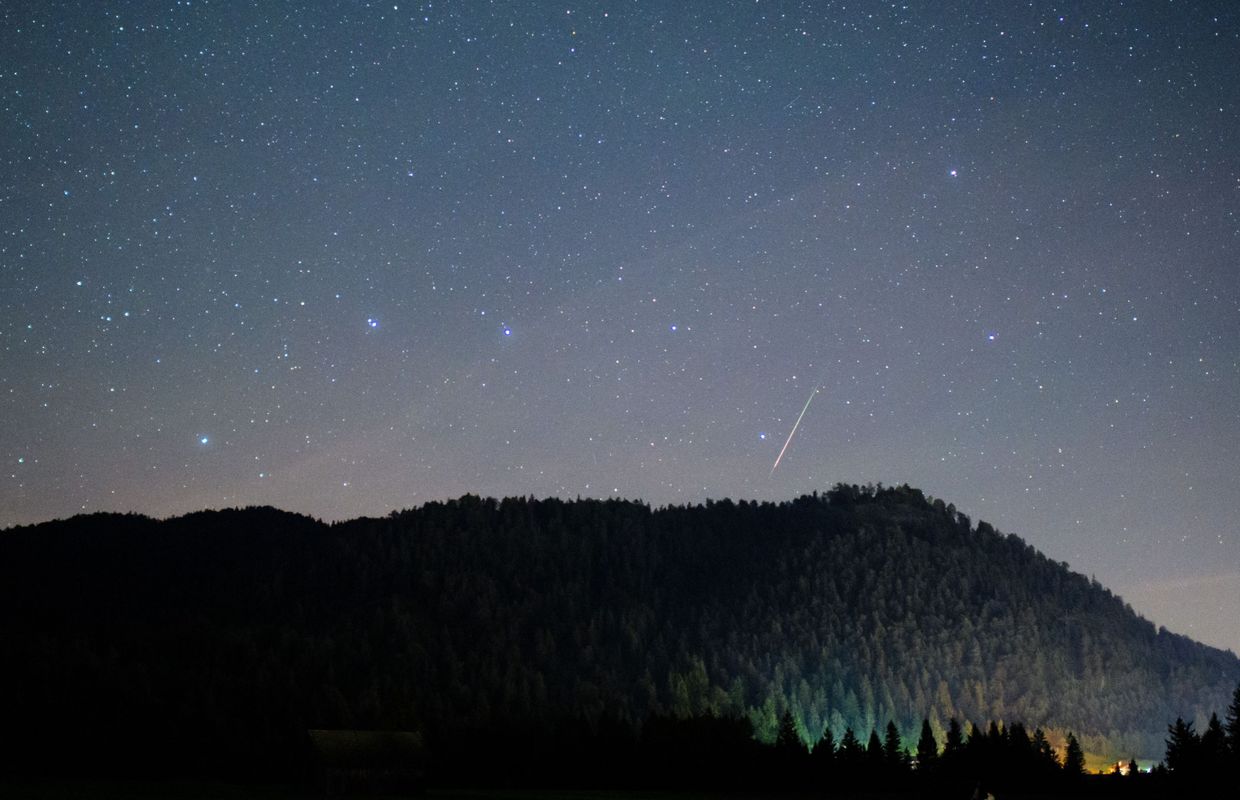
[{"x": 346, "y": 259}]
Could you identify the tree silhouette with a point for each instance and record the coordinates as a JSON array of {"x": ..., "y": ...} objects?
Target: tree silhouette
[
  {"x": 851, "y": 756},
  {"x": 790, "y": 754},
  {"x": 975, "y": 746},
  {"x": 953, "y": 744},
  {"x": 1074, "y": 758},
  {"x": 875, "y": 759},
  {"x": 927, "y": 749},
  {"x": 850, "y": 746},
  {"x": 1183, "y": 747},
  {"x": 788, "y": 741},
  {"x": 1214, "y": 750},
  {"x": 823, "y": 754},
  {"x": 1020, "y": 752},
  {"x": 894, "y": 755},
  {"x": 1045, "y": 757}
]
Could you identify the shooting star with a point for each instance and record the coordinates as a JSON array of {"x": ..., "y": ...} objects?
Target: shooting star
[{"x": 784, "y": 449}]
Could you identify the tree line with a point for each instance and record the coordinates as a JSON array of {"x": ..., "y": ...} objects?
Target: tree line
[{"x": 707, "y": 752}]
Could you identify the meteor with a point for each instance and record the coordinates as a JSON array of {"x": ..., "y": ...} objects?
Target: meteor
[{"x": 783, "y": 449}]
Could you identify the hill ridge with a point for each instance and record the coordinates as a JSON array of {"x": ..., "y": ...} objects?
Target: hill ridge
[{"x": 848, "y": 608}]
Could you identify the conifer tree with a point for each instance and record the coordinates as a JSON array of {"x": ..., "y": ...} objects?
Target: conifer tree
[
  {"x": 953, "y": 758},
  {"x": 1018, "y": 739},
  {"x": 1074, "y": 758},
  {"x": 850, "y": 754},
  {"x": 788, "y": 740},
  {"x": 893, "y": 751},
  {"x": 975, "y": 746},
  {"x": 823, "y": 753},
  {"x": 953, "y": 744},
  {"x": 1214, "y": 749},
  {"x": 1183, "y": 746},
  {"x": 874, "y": 757},
  {"x": 1045, "y": 753},
  {"x": 927, "y": 748}
]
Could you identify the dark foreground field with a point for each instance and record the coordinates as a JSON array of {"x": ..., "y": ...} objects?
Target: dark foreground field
[
  {"x": 26, "y": 789},
  {"x": 182, "y": 790},
  {"x": 188, "y": 790},
  {"x": 185, "y": 790}
]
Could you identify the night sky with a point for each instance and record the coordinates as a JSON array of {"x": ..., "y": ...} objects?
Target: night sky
[{"x": 343, "y": 260}]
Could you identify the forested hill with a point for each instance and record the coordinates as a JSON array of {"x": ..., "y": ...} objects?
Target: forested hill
[{"x": 225, "y": 635}]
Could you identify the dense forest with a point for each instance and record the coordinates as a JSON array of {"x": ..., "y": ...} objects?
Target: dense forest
[{"x": 215, "y": 640}]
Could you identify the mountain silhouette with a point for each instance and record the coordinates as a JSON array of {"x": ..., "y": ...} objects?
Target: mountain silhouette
[{"x": 223, "y": 636}]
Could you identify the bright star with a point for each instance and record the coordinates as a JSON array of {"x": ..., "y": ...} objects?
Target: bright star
[
  {"x": 204, "y": 440},
  {"x": 372, "y": 322}
]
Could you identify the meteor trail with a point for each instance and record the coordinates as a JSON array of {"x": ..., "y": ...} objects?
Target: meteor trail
[{"x": 794, "y": 430}]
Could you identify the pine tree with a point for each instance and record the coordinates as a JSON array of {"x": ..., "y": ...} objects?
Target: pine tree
[
  {"x": 1044, "y": 753},
  {"x": 790, "y": 754},
  {"x": 927, "y": 748},
  {"x": 1214, "y": 750},
  {"x": 874, "y": 759},
  {"x": 823, "y": 754},
  {"x": 1183, "y": 746},
  {"x": 850, "y": 754},
  {"x": 953, "y": 744},
  {"x": 975, "y": 747},
  {"x": 788, "y": 740},
  {"x": 893, "y": 751},
  {"x": 850, "y": 759},
  {"x": 1018, "y": 742},
  {"x": 1074, "y": 758}
]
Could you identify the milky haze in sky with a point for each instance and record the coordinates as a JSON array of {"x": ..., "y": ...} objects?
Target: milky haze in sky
[{"x": 344, "y": 259}]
